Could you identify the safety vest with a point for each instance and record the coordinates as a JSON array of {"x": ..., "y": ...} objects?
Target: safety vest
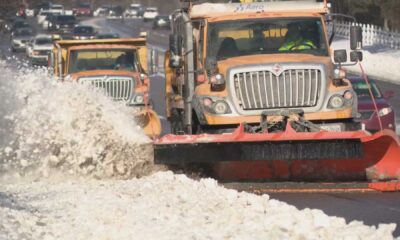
[{"x": 300, "y": 45}]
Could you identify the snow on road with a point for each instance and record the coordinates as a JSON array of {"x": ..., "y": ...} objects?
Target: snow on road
[{"x": 75, "y": 166}]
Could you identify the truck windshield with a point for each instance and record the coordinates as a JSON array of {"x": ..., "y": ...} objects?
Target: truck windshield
[
  {"x": 265, "y": 36},
  {"x": 100, "y": 59}
]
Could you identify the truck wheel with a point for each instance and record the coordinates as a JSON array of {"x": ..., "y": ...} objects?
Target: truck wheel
[{"x": 176, "y": 120}]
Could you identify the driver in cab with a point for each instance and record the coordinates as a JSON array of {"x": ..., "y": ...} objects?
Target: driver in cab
[
  {"x": 125, "y": 62},
  {"x": 296, "y": 39}
]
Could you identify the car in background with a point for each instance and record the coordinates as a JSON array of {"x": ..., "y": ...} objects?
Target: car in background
[
  {"x": 134, "y": 10},
  {"x": 83, "y": 9},
  {"x": 150, "y": 14},
  {"x": 47, "y": 22},
  {"x": 20, "y": 38},
  {"x": 366, "y": 109},
  {"x": 56, "y": 9},
  {"x": 39, "y": 48},
  {"x": 18, "y": 24},
  {"x": 107, "y": 36},
  {"x": 102, "y": 11},
  {"x": 9, "y": 22},
  {"x": 41, "y": 7},
  {"x": 162, "y": 22},
  {"x": 116, "y": 12},
  {"x": 84, "y": 32},
  {"x": 63, "y": 24},
  {"x": 42, "y": 15}
]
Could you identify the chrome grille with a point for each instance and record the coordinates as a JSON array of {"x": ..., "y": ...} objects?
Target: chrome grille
[
  {"x": 292, "y": 88},
  {"x": 119, "y": 88}
]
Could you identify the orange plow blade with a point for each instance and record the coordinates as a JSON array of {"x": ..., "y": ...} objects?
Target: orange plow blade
[{"x": 356, "y": 159}]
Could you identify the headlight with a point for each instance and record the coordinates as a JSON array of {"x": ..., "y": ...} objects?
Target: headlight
[
  {"x": 220, "y": 107},
  {"x": 336, "y": 101},
  {"x": 215, "y": 105},
  {"x": 58, "y": 26},
  {"x": 384, "y": 111},
  {"x": 139, "y": 99}
]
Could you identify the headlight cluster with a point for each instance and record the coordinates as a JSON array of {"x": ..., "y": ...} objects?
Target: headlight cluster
[
  {"x": 384, "y": 111},
  {"x": 137, "y": 99},
  {"x": 216, "y": 106},
  {"x": 338, "y": 101}
]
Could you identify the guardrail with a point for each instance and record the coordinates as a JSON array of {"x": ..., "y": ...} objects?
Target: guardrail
[{"x": 372, "y": 34}]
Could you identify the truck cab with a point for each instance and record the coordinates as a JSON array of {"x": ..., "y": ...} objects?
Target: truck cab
[
  {"x": 119, "y": 66},
  {"x": 254, "y": 59}
]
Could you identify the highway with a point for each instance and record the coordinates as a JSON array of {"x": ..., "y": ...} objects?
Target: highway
[{"x": 371, "y": 208}]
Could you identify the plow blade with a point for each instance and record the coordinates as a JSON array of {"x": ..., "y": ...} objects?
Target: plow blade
[{"x": 373, "y": 160}]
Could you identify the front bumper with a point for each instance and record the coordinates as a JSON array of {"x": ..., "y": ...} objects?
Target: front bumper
[{"x": 211, "y": 119}]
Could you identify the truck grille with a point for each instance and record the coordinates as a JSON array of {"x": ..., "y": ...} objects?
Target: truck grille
[
  {"x": 119, "y": 88},
  {"x": 263, "y": 89}
]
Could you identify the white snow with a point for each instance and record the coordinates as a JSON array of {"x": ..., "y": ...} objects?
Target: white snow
[
  {"x": 79, "y": 168},
  {"x": 162, "y": 206}
]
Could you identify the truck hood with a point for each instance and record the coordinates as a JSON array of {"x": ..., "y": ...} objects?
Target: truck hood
[{"x": 226, "y": 64}]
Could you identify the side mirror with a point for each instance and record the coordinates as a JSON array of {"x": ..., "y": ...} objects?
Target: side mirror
[
  {"x": 356, "y": 56},
  {"x": 356, "y": 38},
  {"x": 388, "y": 94},
  {"x": 340, "y": 56}
]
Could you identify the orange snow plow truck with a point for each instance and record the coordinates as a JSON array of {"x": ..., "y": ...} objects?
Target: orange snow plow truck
[
  {"x": 117, "y": 66},
  {"x": 255, "y": 94}
]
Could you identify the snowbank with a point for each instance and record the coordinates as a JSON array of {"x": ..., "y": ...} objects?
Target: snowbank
[
  {"x": 77, "y": 167},
  {"x": 70, "y": 128},
  {"x": 162, "y": 206}
]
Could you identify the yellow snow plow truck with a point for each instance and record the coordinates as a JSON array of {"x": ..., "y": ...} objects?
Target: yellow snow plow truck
[
  {"x": 255, "y": 93},
  {"x": 117, "y": 66}
]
